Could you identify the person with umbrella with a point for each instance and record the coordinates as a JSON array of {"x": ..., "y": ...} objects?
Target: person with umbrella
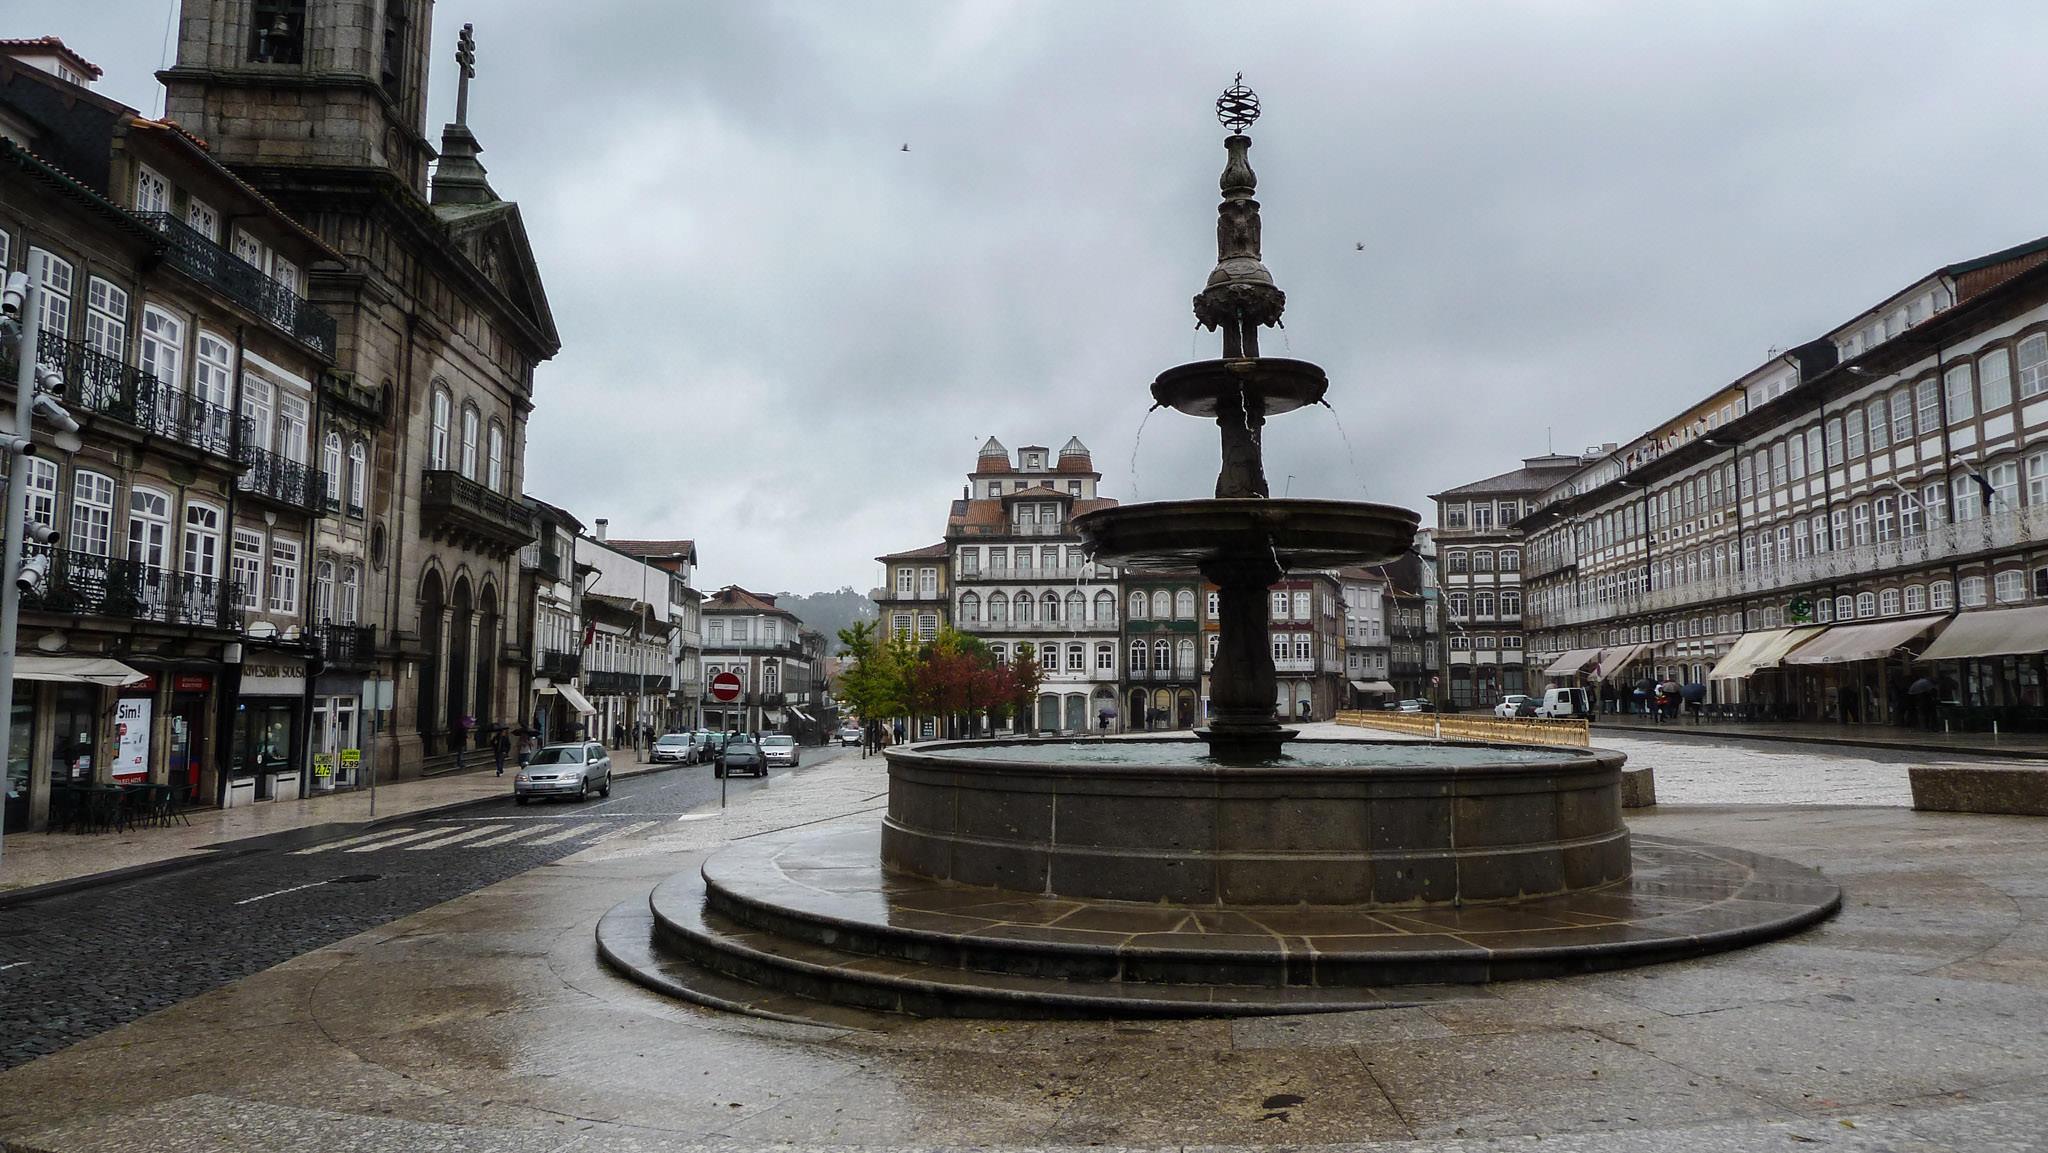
[
  {"x": 1667, "y": 700},
  {"x": 1695, "y": 697},
  {"x": 1645, "y": 689},
  {"x": 501, "y": 744},
  {"x": 1921, "y": 693}
]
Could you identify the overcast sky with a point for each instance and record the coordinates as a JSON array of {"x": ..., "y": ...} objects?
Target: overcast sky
[{"x": 785, "y": 337}]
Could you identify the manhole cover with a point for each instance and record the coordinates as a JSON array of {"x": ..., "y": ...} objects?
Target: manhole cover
[{"x": 357, "y": 878}]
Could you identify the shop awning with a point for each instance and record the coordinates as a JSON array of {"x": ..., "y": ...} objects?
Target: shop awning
[
  {"x": 1865, "y": 642},
  {"x": 76, "y": 670},
  {"x": 576, "y": 700},
  {"x": 800, "y": 713},
  {"x": 1372, "y": 686},
  {"x": 1572, "y": 663},
  {"x": 1762, "y": 649},
  {"x": 1992, "y": 633},
  {"x": 1615, "y": 659}
]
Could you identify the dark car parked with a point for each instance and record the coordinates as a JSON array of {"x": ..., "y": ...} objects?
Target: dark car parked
[{"x": 740, "y": 755}]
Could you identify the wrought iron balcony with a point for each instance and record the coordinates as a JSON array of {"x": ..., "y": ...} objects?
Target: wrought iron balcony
[
  {"x": 194, "y": 254},
  {"x": 288, "y": 482},
  {"x": 97, "y": 383},
  {"x": 346, "y": 646},
  {"x": 558, "y": 666},
  {"x": 463, "y": 512},
  {"x": 82, "y": 584}
]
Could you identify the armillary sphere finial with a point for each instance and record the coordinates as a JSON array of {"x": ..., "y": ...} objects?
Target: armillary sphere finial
[{"x": 1238, "y": 107}]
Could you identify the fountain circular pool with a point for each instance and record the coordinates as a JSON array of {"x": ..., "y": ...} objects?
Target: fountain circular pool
[{"x": 1330, "y": 823}]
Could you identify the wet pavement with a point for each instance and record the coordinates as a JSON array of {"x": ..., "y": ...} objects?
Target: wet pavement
[{"x": 1911, "y": 1020}]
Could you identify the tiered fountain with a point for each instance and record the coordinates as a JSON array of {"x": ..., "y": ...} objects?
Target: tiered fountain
[{"x": 1249, "y": 872}]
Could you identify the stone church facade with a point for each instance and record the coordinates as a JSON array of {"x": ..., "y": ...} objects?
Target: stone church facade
[{"x": 442, "y": 321}]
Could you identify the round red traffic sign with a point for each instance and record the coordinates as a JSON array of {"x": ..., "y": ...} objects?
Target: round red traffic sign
[{"x": 726, "y": 687}]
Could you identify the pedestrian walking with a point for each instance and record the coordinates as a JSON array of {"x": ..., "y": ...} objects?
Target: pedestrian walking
[
  {"x": 526, "y": 747},
  {"x": 501, "y": 744}
]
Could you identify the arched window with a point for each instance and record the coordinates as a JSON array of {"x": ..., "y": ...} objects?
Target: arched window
[
  {"x": 472, "y": 422},
  {"x": 330, "y": 462},
  {"x": 771, "y": 678},
  {"x": 323, "y": 591},
  {"x": 1184, "y": 604},
  {"x": 200, "y": 555},
  {"x": 1866, "y": 604},
  {"x": 92, "y": 513},
  {"x": 970, "y": 608},
  {"x": 1482, "y": 560},
  {"x": 998, "y": 608},
  {"x": 1162, "y": 605},
  {"x": 1459, "y": 605},
  {"x": 1184, "y": 658},
  {"x": 348, "y": 610},
  {"x": 1888, "y": 602},
  {"x": 1916, "y": 598},
  {"x": 1845, "y": 607},
  {"x": 1077, "y": 606},
  {"x": 149, "y": 527},
  {"x": 494, "y": 459},
  {"x": 1105, "y": 607},
  {"x": 1139, "y": 657},
  {"x": 1137, "y": 606},
  {"x": 1051, "y": 605},
  {"x": 1022, "y": 603},
  {"x": 1458, "y": 562},
  {"x": 358, "y": 476},
  {"x": 1162, "y": 655},
  {"x": 437, "y": 442}
]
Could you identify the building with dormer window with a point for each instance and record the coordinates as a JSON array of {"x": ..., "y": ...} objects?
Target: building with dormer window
[{"x": 1019, "y": 578}]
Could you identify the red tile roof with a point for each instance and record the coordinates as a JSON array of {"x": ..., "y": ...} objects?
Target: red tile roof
[{"x": 53, "y": 46}]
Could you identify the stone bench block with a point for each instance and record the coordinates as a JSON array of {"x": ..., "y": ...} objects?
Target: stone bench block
[{"x": 1956, "y": 789}]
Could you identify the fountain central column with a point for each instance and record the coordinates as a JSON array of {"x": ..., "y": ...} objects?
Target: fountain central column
[{"x": 1243, "y": 686}]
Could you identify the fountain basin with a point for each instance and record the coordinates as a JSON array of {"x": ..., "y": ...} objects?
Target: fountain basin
[
  {"x": 1373, "y": 824},
  {"x": 1275, "y": 383},
  {"x": 1298, "y": 533}
]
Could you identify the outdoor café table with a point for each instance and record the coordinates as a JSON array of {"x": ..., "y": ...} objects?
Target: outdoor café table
[{"x": 102, "y": 807}]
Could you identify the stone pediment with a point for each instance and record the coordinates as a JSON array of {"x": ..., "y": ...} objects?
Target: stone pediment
[{"x": 492, "y": 237}]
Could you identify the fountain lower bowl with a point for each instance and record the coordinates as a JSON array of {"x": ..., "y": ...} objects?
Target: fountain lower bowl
[
  {"x": 1332, "y": 823},
  {"x": 1298, "y": 533}
]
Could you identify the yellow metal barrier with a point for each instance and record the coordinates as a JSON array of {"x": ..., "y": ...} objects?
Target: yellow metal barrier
[{"x": 1460, "y": 727}]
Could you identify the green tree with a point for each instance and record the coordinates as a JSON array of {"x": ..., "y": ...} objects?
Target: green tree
[{"x": 872, "y": 682}]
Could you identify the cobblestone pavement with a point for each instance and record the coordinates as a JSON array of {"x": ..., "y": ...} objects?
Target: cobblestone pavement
[{"x": 75, "y": 965}]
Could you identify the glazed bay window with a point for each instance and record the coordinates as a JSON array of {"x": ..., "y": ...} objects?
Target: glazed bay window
[
  {"x": 2033, "y": 358},
  {"x": 284, "y": 576},
  {"x": 246, "y": 566}
]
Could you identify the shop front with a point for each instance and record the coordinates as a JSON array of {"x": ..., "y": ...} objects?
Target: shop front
[
  {"x": 63, "y": 707},
  {"x": 267, "y": 745}
]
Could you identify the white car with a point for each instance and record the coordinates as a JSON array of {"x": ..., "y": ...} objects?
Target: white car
[
  {"x": 674, "y": 747},
  {"x": 1517, "y": 705},
  {"x": 779, "y": 749},
  {"x": 572, "y": 771}
]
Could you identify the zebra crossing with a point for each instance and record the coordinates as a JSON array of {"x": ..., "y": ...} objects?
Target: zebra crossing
[{"x": 481, "y": 836}]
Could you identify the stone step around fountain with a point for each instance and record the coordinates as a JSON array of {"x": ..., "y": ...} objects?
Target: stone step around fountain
[{"x": 813, "y": 930}]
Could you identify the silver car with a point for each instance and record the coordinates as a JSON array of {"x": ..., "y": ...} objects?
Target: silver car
[
  {"x": 573, "y": 771},
  {"x": 675, "y": 747},
  {"x": 779, "y": 749}
]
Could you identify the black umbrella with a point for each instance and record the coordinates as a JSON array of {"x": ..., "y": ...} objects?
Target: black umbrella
[
  {"x": 1694, "y": 692},
  {"x": 1921, "y": 687},
  {"x": 523, "y": 731},
  {"x": 1646, "y": 685}
]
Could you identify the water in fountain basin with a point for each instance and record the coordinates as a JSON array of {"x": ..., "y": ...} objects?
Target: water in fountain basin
[{"x": 1300, "y": 754}]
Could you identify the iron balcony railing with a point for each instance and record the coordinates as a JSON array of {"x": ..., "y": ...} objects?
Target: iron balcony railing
[
  {"x": 346, "y": 646},
  {"x": 558, "y": 666},
  {"x": 98, "y": 383},
  {"x": 447, "y": 494},
  {"x": 83, "y": 584},
  {"x": 608, "y": 682},
  {"x": 285, "y": 481},
  {"x": 193, "y": 253}
]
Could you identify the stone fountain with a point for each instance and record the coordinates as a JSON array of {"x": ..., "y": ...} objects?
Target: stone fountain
[{"x": 1244, "y": 872}]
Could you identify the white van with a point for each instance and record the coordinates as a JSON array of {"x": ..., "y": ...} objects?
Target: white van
[{"x": 1574, "y": 702}]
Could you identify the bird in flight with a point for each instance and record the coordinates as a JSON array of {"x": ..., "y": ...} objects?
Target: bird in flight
[{"x": 906, "y": 148}]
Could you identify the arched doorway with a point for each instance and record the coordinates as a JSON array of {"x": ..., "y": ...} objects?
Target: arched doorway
[
  {"x": 1134, "y": 720},
  {"x": 461, "y": 624},
  {"x": 486, "y": 697},
  {"x": 1185, "y": 710},
  {"x": 433, "y": 636},
  {"x": 1049, "y": 712}
]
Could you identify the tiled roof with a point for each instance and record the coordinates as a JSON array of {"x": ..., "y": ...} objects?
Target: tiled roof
[
  {"x": 929, "y": 552},
  {"x": 1510, "y": 483},
  {"x": 735, "y": 598},
  {"x": 53, "y": 46},
  {"x": 176, "y": 132}
]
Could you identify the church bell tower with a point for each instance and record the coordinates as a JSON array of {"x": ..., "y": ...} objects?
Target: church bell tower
[{"x": 281, "y": 85}]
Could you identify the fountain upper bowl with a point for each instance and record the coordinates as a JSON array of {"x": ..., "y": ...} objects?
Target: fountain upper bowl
[{"x": 1298, "y": 533}]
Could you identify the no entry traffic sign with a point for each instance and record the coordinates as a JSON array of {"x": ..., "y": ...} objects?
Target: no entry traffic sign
[{"x": 725, "y": 687}]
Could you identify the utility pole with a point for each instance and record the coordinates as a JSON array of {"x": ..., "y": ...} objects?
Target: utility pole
[{"x": 20, "y": 324}]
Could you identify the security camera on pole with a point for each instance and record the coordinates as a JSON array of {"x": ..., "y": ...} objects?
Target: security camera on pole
[{"x": 33, "y": 389}]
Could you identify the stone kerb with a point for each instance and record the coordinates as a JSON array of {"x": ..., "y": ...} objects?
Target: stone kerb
[{"x": 2015, "y": 790}]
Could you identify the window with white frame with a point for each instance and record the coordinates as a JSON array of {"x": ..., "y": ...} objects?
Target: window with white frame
[
  {"x": 149, "y": 528},
  {"x": 1960, "y": 393},
  {"x": 330, "y": 463},
  {"x": 906, "y": 581},
  {"x": 201, "y": 218},
  {"x": 494, "y": 459},
  {"x": 2005, "y": 482},
  {"x": 2009, "y": 586},
  {"x": 1105, "y": 607},
  {"x": 245, "y": 566},
  {"x": 442, "y": 413},
  {"x": 1302, "y": 650},
  {"x": 1880, "y": 424},
  {"x": 348, "y": 603},
  {"x": 928, "y": 581},
  {"x": 1845, "y": 607},
  {"x": 1916, "y": 598},
  {"x": 471, "y": 435},
  {"x": 1077, "y": 658},
  {"x": 1972, "y": 591},
  {"x": 41, "y": 474},
  {"x": 1888, "y": 602},
  {"x": 1866, "y": 604},
  {"x": 58, "y": 282},
  {"x": 284, "y": 576},
  {"x": 258, "y": 409},
  {"x": 163, "y": 346},
  {"x": 92, "y": 514},
  {"x": 294, "y": 429},
  {"x": 152, "y": 191},
  {"x": 358, "y": 476},
  {"x": 106, "y": 318},
  {"x": 200, "y": 556},
  {"x": 1929, "y": 394},
  {"x": 927, "y": 626},
  {"x": 211, "y": 375},
  {"x": 1940, "y": 596},
  {"x": 1301, "y": 606},
  {"x": 1994, "y": 380},
  {"x": 1184, "y": 605},
  {"x": 323, "y": 591},
  {"x": 2033, "y": 358}
]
